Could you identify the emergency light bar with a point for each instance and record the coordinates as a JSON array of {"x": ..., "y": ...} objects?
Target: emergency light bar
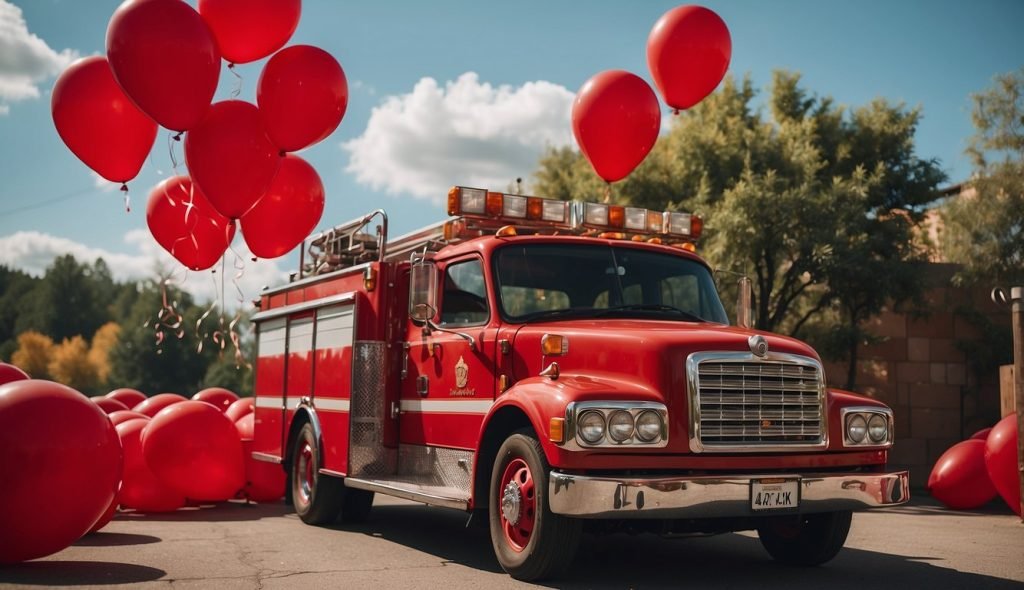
[{"x": 477, "y": 203}]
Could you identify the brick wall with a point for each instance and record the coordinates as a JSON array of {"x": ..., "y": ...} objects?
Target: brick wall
[{"x": 919, "y": 370}]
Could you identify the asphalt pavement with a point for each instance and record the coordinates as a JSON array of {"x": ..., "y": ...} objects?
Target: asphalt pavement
[{"x": 406, "y": 545}]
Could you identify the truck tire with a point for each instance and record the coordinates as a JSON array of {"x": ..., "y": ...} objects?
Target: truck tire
[
  {"x": 317, "y": 498},
  {"x": 809, "y": 539},
  {"x": 529, "y": 540}
]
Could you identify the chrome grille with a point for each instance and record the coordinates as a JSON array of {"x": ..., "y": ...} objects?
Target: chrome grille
[{"x": 741, "y": 403}]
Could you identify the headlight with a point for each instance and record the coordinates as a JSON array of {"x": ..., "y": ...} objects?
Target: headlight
[
  {"x": 620, "y": 426},
  {"x": 878, "y": 428},
  {"x": 867, "y": 426},
  {"x": 648, "y": 426},
  {"x": 856, "y": 428},
  {"x": 591, "y": 426}
]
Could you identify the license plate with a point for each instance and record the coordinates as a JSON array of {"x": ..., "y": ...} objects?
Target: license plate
[{"x": 774, "y": 494}]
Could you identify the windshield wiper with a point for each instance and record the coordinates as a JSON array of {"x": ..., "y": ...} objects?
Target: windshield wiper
[
  {"x": 655, "y": 307},
  {"x": 558, "y": 314}
]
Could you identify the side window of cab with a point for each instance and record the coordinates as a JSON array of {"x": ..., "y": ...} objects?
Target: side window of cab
[{"x": 464, "y": 300}]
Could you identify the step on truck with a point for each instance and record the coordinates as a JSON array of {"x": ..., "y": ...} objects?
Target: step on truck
[{"x": 553, "y": 366}]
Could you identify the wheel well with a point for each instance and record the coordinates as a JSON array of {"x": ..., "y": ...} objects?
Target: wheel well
[{"x": 504, "y": 422}]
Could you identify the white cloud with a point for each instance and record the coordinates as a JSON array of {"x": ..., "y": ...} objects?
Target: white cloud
[
  {"x": 467, "y": 133},
  {"x": 103, "y": 184},
  {"x": 32, "y": 252},
  {"x": 25, "y": 59}
]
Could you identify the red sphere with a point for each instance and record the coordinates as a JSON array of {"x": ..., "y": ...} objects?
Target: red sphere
[
  {"x": 240, "y": 408},
  {"x": 302, "y": 96},
  {"x": 1001, "y": 461},
  {"x": 197, "y": 238},
  {"x": 153, "y": 405},
  {"x": 292, "y": 207},
  {"x": 106, "y": 518},
  {"x": 959, "y": 479},
  {"x": 60, "y": 464},
  {"x": 218, "y": 396},
  {"x": 108, "y": 405},
  {"x": 122, "y": 416},
  {"x": 248, "y": 30},
  {"x": 127, "y": 396},
  {"x": 10, "y": 373},
  {"x": 194, "y": 448},
  {"x": 140, "y": 488},
  {"x": 264, "y": 482},
  {"x": 688, "y": 53}
]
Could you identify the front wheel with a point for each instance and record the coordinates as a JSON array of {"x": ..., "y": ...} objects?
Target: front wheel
[
  {"x": 317, "y": 498},
  {"x": 529, "y": 540},
  {"x": 810, "y": 539}
]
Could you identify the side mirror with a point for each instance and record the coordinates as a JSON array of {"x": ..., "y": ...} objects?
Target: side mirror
[
  {"x": 423, "y": 291},
  {"x": 744, "y": 309}
]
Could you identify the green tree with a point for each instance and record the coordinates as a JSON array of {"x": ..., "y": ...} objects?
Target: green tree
[
  {"x": 14, "y": 288},
  {"x": 64, "y": 303},
  {"x": 817, "y": 203},
  {"x": 984, "y": 228}
]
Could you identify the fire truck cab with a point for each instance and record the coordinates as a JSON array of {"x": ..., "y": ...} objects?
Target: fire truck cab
[{"x": 554, "y": 365}]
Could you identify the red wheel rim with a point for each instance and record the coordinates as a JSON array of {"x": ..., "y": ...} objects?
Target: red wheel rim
[{"x": 517, "y": 500}]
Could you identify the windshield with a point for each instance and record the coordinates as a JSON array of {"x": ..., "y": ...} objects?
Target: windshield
[{"x": 556, "y": 281}]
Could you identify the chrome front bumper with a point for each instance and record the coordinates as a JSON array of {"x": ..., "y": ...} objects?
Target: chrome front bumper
[{"x": 716, "y": 496}]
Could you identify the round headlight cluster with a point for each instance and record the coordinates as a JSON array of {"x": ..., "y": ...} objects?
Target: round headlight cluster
[
  {"x": 591, "y": 426},
  {"x": 867, "y": 428}
]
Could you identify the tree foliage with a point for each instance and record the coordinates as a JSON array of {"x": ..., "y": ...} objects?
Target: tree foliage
[
  {"x": 33, "y": 354},
  {"x": 99, "y": 353},
  {"x": 70, "y": 364},
  {"x": 816, "y": 202},
  {"x": 984, "y": 228}
]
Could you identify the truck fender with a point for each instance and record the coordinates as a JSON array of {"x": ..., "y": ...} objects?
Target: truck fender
[{"x": 304, "y": 412}]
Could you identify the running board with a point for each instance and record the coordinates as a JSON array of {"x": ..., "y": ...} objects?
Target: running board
[{"x": 410, "y": 488}]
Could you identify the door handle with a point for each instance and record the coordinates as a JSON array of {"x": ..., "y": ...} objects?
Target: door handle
[{"x": 422, "y": 385}]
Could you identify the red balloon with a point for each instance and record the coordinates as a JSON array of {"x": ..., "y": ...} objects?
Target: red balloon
[
  {"x": 981, "y": 434},
  {"x": 264, "y": 482},
  {"x": 140, "y": 488},
  {"x": 247, "y": 30},
  {"x": 616, "y": 119},
  {"x": 60, "y": 464},
  {"x": 959, "y": 479},
  {"x": 106, "y": 517},
  {"x": 10, "y": 373},
  {"x": 195, "y": 235},
  {"x": 127, "y": 396},
  {"x": 108, "y": 405},
  {"x": 240, "y": 408},
  {"x": 121, "y": 417},
  {"x": 194, "y": 448},
  {"x": 688, "y": 52},
  {"x": 290, "y": 210},
  {"x": 218, "y": 396},
  {"x": 231, "y": 158},
  {"x": 98, "y": 122},
  {"x": 302, "y": 95},
  {"x": 1001, "y": 461},
  {"x": 153, "y": 405},
  {"x": 166, "y": 60}
]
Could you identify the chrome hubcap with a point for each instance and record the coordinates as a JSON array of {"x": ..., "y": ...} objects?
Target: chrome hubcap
[{"x": 511, "y": 503}]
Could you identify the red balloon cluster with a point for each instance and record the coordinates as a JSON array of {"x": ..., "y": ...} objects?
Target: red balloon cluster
[
  {"x": 162, "y": 67},
  {"x": 971, "y": 473},
  {"x": 616, "y": 116}
]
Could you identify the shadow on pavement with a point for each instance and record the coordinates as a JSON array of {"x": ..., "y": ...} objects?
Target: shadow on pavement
[
  {"x": 102, "y": 539},
  {"x": 77, "y": 573},
  {"x": 632, "y": 561},
  {"x": 222, "y": 512}
]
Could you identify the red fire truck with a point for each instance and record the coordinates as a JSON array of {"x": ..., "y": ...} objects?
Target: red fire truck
[{"x": 550, "y": 365}]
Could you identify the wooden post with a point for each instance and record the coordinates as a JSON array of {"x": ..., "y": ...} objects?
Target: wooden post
[{"x": 1017, "y": 297}]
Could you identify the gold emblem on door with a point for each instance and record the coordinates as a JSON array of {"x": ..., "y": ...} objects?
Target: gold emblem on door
[{"x": 462, "y": 379}]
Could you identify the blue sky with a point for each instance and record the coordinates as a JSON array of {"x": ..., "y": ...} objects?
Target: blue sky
[{"x": 469, "y": 92}]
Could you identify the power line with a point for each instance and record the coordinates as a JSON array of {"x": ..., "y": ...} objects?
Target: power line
[{"x": 47, "y": 202}]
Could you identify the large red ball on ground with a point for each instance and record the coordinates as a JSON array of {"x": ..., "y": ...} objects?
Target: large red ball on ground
[
  {"x": 959, "y": 479},
  {"x": 10, "y": 373},
  {"x": 194, "y": 448},
  {"x": 140, "y": 488},
  {"x": 127, "y": 396},
  {"x": 1001, "y": 461},
  {"x": 153, "y": 405},
  {"x": 109, "y": 406},
  {"x": 60, "y": 464},
  {"x": 218, "y": 396},
  {"x": 240, "y": 408}
]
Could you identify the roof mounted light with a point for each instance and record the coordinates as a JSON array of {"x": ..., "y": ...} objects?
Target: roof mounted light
[{"x": 467, "y": 201}]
